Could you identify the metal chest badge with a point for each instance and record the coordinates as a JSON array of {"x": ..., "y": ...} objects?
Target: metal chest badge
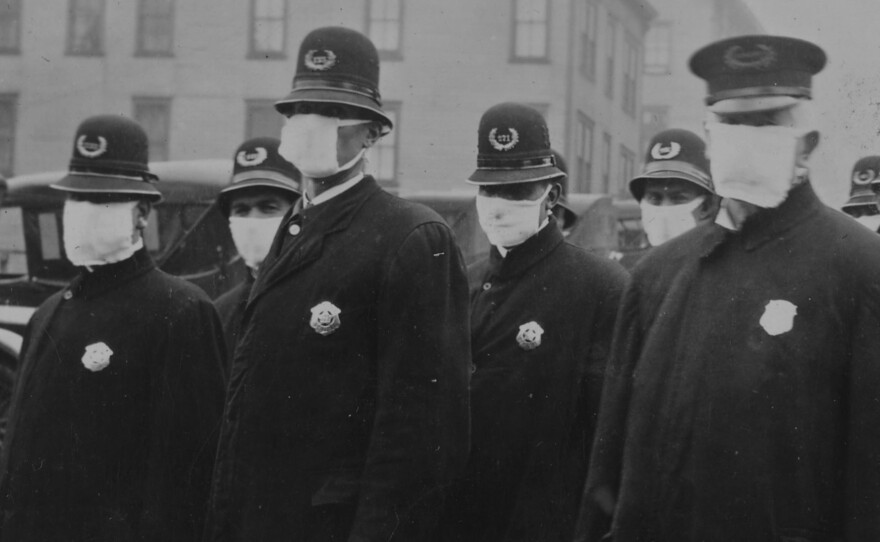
[
  {"x": 529, "y": 336},
  {"x": 778, "y": 317},
  {"x": 325, "y": 318},
  {"x": 97, "y": 357}
]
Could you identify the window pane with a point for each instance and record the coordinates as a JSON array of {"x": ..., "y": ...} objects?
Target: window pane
[
  {"x": 530, "y": 29},
  {"x": 383, "y": 156},
  {"x": 86, "y": 27},
  {"x": 385, "y": 24},
  {"x": 51, "y": 244},
  {"x": 658, "y": 49},
  {"x": 13, "y": 259},
  {"x": 263, "y": 120},
  {"x": 153, "y": 114},
  {"x": 7, "y": 134},
  {"x": 269, "y": 9},
  {"x": 10, "y": 25},
  {"x": 156, "y": 26},
  {"x": 268, "y": 27}
]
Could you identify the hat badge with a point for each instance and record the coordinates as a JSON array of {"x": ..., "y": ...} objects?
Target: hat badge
[
  {"x": 503, "y": 142},
  {"x": 320, "y": 60},
  {"x": 864, "y": 177},
  {"x": 739, "y": 58},
  {"x": 665, "y": 152},
  {"x": 529, "y": 335},
  {"x": 253, "y": 157},
  {"x": 325, "y": 318},
  {"x": 91, "y": 149}
]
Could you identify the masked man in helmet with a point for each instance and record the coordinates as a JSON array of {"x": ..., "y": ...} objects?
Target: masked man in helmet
[
  {"x": 263, "y": 188},
  {"x": 114, "y": 417},
  {"x": 542, "y": 312},
  {"x": 674, "y": 191},
  {"x": 742, "y": 398},
  {"x": 348, "y": 405}
]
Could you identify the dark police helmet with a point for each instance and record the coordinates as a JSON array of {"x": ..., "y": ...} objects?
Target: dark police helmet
[
  {"x": 257, "y": 164},
  {"x": 110, "y": 155},
  {"x": 674, "y": 154},
  {"x": 337, "y": 65},
  {"x": 513, "y": 146},
  {"x": 864, "y": 179}
]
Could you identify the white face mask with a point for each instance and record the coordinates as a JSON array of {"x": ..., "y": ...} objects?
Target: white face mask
[
  {"x": 253, "y": 237},
  {"x": 871, "y": 222},
  {"x": 309, "y": 143},
  {"x": 509, "y": 223},
  {"x": 663, "y": 222},
  {"x": 753, "y": 164},
  {"x": 99, "y": 233}
]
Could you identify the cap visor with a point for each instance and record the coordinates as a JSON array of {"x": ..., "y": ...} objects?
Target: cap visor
[
  {"x": 264, "y": 183},
  {"x": 635, "y": 184},
  {"x": 86, "y": 183},
  {"x": 514, "y": 175},
  {"x": 331, "y": 95},
  {"x": 751, "y": 104},
  {"x": 858, "y": 201}
]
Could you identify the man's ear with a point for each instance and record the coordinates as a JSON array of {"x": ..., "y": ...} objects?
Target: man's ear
[
  {"x": 554, "y": 194},
  {"x": 708, "y": 210},
  {"x": 811, "y": 141},
  {"x": 143, "y": 208},
  {"x": 374, "y": 134}
]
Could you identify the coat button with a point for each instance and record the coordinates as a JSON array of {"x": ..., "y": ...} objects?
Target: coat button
[
  {"x": 68, "y": 295},
  {"x": 487, "y": 285},
  {"x": 294, "y": 229}
]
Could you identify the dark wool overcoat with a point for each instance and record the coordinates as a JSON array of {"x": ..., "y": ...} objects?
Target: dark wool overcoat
[
  {"x": 116, "y": 410},
  {"x": 742, "y": 399},
  {"x": 542, "y": 320},
  {"x": 348, "y": 397}
]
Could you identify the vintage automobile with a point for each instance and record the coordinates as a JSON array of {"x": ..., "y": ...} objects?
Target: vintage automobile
[{"x": 188, "y": 236}]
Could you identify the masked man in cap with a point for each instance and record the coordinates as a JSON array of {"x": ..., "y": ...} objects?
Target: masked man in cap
[
  {"x": 348, "y": 405},
  {"x": 119, "y": 396},
  {"x": 674, "y": 191},
  {"x": 862, "y": 203},
  {"x": 742, "y": 398},
  {"x": 263, "y": 188},
  {"x": 542, "y": 312}
]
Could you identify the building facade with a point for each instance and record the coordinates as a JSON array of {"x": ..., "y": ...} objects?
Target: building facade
[
  {"x": 201, "y": 75},
  {"x": 673, "y": 96}
]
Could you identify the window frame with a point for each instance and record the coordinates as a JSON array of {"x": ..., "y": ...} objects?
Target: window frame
[
  {"x": 393, "y": 109},
  {"x": 630, "y": 79},
  {"x": 627, "y": 166},
  {"x": 165, "y": 101},
  {"x": 140, "y": 49},
  {"x": 656, "y": 68},
  {"x": 610, "y": 56},
  {"x": 253, "y": 52},
  {"x": 385, "y": 54},
  {"x": 589, "y": 42},
  {"x": 514, "y": 56},
  {"x": 583, "y": 152},
  {"x": 100, "y": 50},
  {"x": 16, "y": 12},
  {"x": 9, "y": 99},
  {"x": 607, "y": 144}
]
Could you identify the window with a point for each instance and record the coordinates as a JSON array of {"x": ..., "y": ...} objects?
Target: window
[
  {"x": 85, "y": 28},
  {"x": 262, "y": 120},
  {"x": 627, "y": 167},
  {"x": 655, "y": 119},
  {"x": 530, "y": 32},
  {"x": 154, "y": 115},
  {"x": 383, "y": 155},
  {"x": 589, "y": 21},
  {"x": 268, "y": 28},
  {"x": 13, "y": 258},
  {"x": 155, "y": 35},
  {"x": 8, "y": 110},
  {"x": 385, "y": 26},
  {"x": 583, "y": 153},
  {"x": 658, "y": 49},
  {"x": 10, "y": 26},
  {"x": 611, "y": 36},
  {"x": 606, "y": 164},
  {"x": 630, "y": 76}
]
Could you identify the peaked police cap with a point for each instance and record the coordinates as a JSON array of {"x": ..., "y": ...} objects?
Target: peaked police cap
[
  {"x": 674, "y": 154},
  {"x": 865, "y": 173},
  {"x": 110, "y": 155},
  {"x": 513, "y": 146},
  {"x": 337, "y": 65},
  {"x": 757, "y": 72}
]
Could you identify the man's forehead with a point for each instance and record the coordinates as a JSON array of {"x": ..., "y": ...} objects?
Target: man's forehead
[{"x": 669, "y": 184}]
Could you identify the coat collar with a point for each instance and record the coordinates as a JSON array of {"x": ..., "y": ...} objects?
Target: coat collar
[
  {"x": 520, "y": 258},
  {"x": 103, "y": 278},
  {"x": 769, "y": 224}
]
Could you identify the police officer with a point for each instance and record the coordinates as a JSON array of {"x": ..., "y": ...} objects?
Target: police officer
[
  {"x": 119, "y": 395},
  {"x": 566, "y": 218},
  {"x": 674, "y": 191},
  {"x": 743, "y": 395},
  {"x": 862, "y": 203},
  {"x": 348, "y": 403},
  {"x": 263, "y": 188},
  {"x": 542, "y": 312}
]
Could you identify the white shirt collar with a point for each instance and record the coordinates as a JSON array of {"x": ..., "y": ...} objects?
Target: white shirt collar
[{"x": 331, "y": 193}]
